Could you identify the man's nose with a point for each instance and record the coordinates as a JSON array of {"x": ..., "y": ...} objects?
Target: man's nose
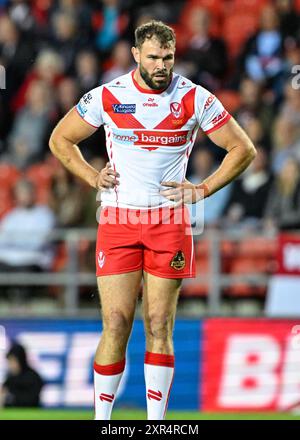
[{"x": 160, "y": 64}]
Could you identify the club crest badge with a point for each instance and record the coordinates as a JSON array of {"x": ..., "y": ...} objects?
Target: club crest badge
[
  {"x": 176, "y": 109},
  {"x": 178, "y": 262}
]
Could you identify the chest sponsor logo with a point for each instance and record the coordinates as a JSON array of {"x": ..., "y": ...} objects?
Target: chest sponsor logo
[
  {"x": 151, "y": 140},
  {"x": 124, "y": 108},
  {"x": 176, "y": 109}
]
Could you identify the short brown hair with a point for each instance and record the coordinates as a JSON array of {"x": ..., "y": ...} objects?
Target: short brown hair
[{"x": 164, "y": 33}]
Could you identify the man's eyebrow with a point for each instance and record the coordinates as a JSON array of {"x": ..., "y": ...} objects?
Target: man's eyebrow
[{"x": 170, "y": 55}]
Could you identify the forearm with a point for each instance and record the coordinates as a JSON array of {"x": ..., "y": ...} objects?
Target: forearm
[
  {"x": 234, "y": 163},
  {"x": 71, "y": 157}
]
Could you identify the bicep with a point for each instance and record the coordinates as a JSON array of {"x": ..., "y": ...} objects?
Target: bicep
[
  {"x": 73, "y": 128},
  {"x": 230, "y": 135}
]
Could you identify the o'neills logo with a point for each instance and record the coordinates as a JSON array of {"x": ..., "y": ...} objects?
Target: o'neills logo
[{"x": 176, "y": 109}]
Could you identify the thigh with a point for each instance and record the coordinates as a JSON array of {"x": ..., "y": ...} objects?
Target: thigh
[
  {"x": 118, "y": 294},
  {"x": 169, "y": 248},
  {"x": 118, "y": 250},
  {"x": 160, "y": 296}
]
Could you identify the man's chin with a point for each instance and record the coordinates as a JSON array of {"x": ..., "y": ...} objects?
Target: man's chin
[{"x": 159, "y": 84}]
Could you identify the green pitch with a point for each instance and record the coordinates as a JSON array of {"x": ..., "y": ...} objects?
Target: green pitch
[{"x": 118, "y": 414}]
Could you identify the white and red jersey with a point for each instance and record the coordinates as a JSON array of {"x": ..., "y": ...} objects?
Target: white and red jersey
[{"x": 149, "y": 134}]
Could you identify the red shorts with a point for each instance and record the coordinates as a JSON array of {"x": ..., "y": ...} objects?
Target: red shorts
[{"x": 158, "y": 241}]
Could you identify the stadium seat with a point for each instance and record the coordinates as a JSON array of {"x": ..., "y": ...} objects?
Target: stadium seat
[
  {"x": 248, "y": 266},
  {"x": 237, "y": 28},
  {"x": 191, "y": 287},
  {"x": 249, "y": 6},
  {"x": 40, "y": 174},
  {"x": 6, "y": 200},
  {"x": 230, "y": 99},
  {"x": 9, "y": 175},
  {"x": 258, "y": 247},
  {"x": 215, "y": 7}
]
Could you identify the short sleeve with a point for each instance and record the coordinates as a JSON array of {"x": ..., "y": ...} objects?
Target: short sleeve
[
  {"x": 210, "y": 112},
  {"x": 89, "y": 107}
]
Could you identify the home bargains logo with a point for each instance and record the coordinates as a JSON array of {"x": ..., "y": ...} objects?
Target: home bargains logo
[
  {"x": 251, "y": 365},
  {"x": 151, "y": 140}
]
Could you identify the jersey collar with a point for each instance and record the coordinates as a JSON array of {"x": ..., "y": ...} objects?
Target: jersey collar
[{"x": 151, "y": 91}]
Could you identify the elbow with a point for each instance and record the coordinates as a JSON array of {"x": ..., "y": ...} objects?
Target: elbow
[
  {"x": 250, "y": 153},
  {"x": 54, "y": 144}
]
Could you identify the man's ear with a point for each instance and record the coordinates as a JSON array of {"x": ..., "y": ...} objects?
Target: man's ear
[{"x": 136, "y": 54}]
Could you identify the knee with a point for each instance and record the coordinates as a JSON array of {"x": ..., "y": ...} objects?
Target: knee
[
  {"x": 117, "y": 324},
  {"x": 159, "y": 325}
]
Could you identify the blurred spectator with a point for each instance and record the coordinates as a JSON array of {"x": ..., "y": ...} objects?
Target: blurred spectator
[
  {"x": 203, "y": 165},
  {"x": 17, "y": 54},
  {"x": 285, "y": 136},
  {"x": 110, "y": 23},
  {"x": 66, "y": 38},
  {"x": 49, "y": 67},
  {"x": 246, "y": 204},
  {"x": 262, "y": 55},
  {"x": 66, "y": 199},
  {"x": 207, "y": 53},
  {"x": 290, "y": 108},
  {"x": 288, "y": 18},
  {"x": 87, "y": 70},
  {"x": 22, "y": 385},
  {"x": 81, "y": 10},
  {"x": 283, "y": 206},
  {"x": 20, "y": 13},
  {"x": 254, "y": 129},
  {"x": 24, "y": 231},
  {"x": 67, "y": 95},
  {"x": 27, "y": 139},
  {"x": 122, "y": 62},
  {"x": 253, "y": 106}
]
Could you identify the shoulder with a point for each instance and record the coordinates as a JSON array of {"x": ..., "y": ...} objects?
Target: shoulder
[
  {"x": 120, "y": 82},
  {"x": 181, "y": 82}
]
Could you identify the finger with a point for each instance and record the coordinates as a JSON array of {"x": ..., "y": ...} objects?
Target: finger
[
  {"x": 111, "y": 172},
  {"x": 169, "y": 192},
  {"x": 178, "y": 203},
  {"x": 108, "y": 179},
  {"x": 172, "y": 184}
]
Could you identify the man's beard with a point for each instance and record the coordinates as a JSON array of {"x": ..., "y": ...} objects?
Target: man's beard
[{"x": 161, "y": 83}]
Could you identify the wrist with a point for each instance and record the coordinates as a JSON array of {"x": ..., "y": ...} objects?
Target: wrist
[{"x": 205, "y": 188}]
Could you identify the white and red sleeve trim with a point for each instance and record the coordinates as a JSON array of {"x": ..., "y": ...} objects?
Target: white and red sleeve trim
[{"x": 219, "y": 124}]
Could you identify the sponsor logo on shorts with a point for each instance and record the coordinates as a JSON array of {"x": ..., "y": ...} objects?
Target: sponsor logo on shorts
[
  {"x": 178, "y": 262},
  {"x": 124, "y": 108},
  {"x": 101, "y": 259}
]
